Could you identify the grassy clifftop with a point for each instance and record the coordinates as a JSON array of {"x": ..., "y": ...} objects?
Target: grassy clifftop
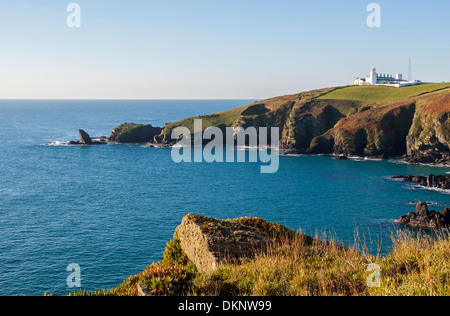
[
  {"x": 377, "y": 94},
  {"x": 293, "y": 265}
]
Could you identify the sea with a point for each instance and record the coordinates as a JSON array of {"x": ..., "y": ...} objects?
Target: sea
[{"x": 111, "y": 209}]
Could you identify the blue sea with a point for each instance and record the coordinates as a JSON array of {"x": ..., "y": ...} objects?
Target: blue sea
[{"x": 112, "y": 208}]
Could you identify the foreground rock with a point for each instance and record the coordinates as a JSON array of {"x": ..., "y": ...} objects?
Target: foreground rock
[
  {"x": 208, "y": 242},
  {"x": 425, "y": 219},
  {"x": 431, "y": 181}
]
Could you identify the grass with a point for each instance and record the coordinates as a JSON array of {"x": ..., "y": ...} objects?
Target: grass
[
  {"x": 375, "y": 94},
  {"x": 297, "y": 265},
  {"x": 275, "y": 110},
  {"x": 226, "y": 118}
]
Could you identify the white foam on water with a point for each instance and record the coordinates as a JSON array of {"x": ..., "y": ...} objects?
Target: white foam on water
[{"x": 56, "y": 144}]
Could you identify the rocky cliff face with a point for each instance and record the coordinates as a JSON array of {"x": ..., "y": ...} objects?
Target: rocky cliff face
[
  {"x": 377, "y": 132},
  {"x": 429, "y": 138},
  {"x": 134, "y": 133}
]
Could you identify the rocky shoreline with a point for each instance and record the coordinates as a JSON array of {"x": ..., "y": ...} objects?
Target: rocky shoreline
[
  {"x": 430, "y": 181},
  {"x": 130, "y": 133},
  {"x": 425, "y": 219}
]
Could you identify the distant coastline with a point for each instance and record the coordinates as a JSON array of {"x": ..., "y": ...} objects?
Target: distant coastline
[{"x": 374, "y": 122}]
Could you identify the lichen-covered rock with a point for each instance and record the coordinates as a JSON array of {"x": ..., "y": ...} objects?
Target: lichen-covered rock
[{"x": 208, "y": 242}]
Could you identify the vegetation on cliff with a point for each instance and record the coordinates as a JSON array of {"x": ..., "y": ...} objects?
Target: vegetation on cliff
[
  {"x": 374, "y": 121},
  {"x": 294, "y": 264}
]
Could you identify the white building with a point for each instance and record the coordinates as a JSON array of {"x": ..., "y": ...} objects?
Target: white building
[{"x": 385, "y": 80}]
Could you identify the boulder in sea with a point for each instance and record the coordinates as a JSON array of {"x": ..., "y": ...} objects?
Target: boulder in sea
[
  {"x": 208, "y": 242},
  {"x": 85, "y": 138},
  {"x": 425, "y": 219}
]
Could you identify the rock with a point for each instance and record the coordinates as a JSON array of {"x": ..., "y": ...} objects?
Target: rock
[
  {"x": 432, "y": 181},
  {"x": 208, "y": 242},
  {"x": 85, "y": 138},
  {"x": 425, "y": 219},
  {"x": 446, "y": 214},
  {"x": 428, "y": 141}
]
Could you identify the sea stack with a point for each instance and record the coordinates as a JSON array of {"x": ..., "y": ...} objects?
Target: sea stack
[{"x": 85, "y": 138}]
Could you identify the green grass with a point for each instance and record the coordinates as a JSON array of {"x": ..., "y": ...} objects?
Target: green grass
[
  {"x": 374, "y": 94},
  {"x": 226, "y": 118}
]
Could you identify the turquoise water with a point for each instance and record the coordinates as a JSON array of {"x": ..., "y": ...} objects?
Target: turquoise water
[{"x": 112, "y": 208}]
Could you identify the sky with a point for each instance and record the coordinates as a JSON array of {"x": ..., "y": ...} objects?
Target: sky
[{"x": 213, "y": 49}]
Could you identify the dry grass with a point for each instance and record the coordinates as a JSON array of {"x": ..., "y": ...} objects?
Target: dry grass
[
  {"x": 297, "y": 265},
  {"x": 290, "y": 267},
  {"x": 419, "y": 265}
]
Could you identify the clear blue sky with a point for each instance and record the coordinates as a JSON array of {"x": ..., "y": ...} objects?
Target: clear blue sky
[{"x": 174, "y": 49}]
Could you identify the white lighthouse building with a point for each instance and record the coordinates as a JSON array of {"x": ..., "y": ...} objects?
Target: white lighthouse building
[{"x": 385, "y": 80}]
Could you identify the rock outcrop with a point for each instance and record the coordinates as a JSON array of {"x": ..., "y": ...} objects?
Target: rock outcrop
[
  {"x": 208, "y": 242},
  {"x": 425, "y": 219},
  {"x": 85, "y": 138},
  {"x": 134, "y": 133},
  {"x": 431, "y": 181}
]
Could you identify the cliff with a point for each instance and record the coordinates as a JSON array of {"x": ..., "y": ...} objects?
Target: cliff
[{"x": 372, "y": 121}]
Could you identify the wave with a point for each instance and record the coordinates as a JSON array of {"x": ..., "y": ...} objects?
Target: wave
[
  {"x": 294, "y": 155},
  {"x": 56, "y": 144}
]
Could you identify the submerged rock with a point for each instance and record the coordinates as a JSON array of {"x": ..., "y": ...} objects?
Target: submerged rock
[
  {"x": 208, "y": 242},
  {"x": 425, "y": 219}
]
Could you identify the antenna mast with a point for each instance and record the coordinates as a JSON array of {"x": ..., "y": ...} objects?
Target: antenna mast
[{"x": 409, "y": 73}]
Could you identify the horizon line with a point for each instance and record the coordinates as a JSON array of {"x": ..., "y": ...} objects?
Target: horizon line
[{"x": 126, "y": 99}]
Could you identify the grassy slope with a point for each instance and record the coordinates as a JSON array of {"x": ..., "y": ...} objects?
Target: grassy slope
[
  {"x": 380, "y": 94},
  {"x": 297, "y": 265},
  {"x": 230, "y": 118}
]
